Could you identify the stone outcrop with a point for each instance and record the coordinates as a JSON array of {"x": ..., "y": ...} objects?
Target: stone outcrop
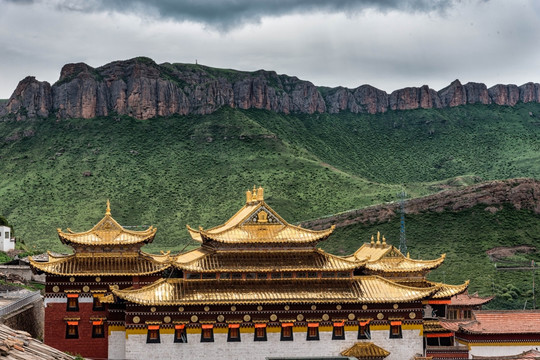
[
  {"x": 520, "y": 193},
  {"x": 143, "y": 89}
]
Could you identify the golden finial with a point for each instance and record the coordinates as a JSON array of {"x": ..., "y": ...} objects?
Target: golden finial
[
  {"x": 249, "y": 197},
  {"x": 378, "y": 238},
  {"x": 384, "y": 240},
  {"x": 108, "y": 211},
  {"x": 372, "y": 240},
  {"x": 408, "y": 255},
  {"x": 260, "y": 194},
  {"x": 254, "y": 195}
]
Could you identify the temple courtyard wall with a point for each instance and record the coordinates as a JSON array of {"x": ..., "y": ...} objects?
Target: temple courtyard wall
[{"x": 136, "y": 347}]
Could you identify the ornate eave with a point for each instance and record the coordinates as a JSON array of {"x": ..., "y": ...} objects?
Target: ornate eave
[
  {"x": 384, "y": 259},
  {"x": 103, "y": 264},
  {"x": 256, "y": 222},
  {"x": 446, "y": 291},
  {"x": 366, "y": 350},
  {"x": 365, "y": 289},
  {"x": 107, "y": 232},
  {"x": 204, "y": 260}
]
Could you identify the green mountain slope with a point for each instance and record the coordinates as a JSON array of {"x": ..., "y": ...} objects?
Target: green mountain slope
[
  {"x": 465, "y": 237},
  {"x": 195, "y": 169}
]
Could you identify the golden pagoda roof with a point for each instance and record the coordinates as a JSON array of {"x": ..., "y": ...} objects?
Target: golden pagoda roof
[
  {"x": 110, "y": 263},
  {"x": 434, "y": 326},
  {"x": 256, "y": 222},
  {"x": 385, "y": 258},
  {"x": 107, "y": 232},
  {"x": 365, "y": 350},
  {"x": 365, "y": 289},
  {"x": 446, "y": 290},
  {"x": 205, "y": 260}
]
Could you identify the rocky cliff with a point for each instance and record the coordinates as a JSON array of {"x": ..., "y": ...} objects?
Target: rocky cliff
[
  {"x": 143, "y": 89},
  {"x": 520, "y": 193}
]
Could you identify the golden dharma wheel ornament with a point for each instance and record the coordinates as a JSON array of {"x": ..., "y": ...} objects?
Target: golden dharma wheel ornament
[
  {"x": 273, "y": 317},
  {"x": 412, "y": 315},
  {"x": 136, "y": 319},
  {"x": 207, "y": 308},
  {"x": 167, "y": 319},
  {"x": 287, "y": 307},
  {"x": 364, "y": 307},
  {"x": 259, "y": 308},
  {"x": 247, "y": 318},
  {"x": 233, "y": 308},
  {"x": 396, "y": 306},
  {"x": 98, "y": 279},
  {"x": 325, "y": 317},
  {"x": 72, "y": 279},
  {"x": 181, "y": 308},
  {"x": 220, "y": 318},
  {"x": 153, "y": 309},
  {"x": 380, "y": 316},
  {"x": 55, "y": 289},
  {"x": 351, "y": 316},
  {"x": 86, "y": 288},
  {"x": 194, "y": 318},
  {"x": 300, "y": 317},
  {"x": 313, "y": 307},
  {"x": 338, "y": 307}
]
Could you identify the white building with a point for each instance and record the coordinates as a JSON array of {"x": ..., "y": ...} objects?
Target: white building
[{"x": 6, "y": 242}]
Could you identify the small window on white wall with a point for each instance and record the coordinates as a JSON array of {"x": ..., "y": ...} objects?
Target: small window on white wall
[{"x": 7, "y": 235}]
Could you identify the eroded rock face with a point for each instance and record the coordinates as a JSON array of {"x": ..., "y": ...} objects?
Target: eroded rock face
[
  {"x": 143, "y": 89},
  {"x": 30, "y": 99},
  {"x": 520, "y": 193}
]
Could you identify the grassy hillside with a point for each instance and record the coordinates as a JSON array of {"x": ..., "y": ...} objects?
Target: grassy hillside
[
  {"x": 195, "y": 169},
  {"x": 465, "y": 237}
]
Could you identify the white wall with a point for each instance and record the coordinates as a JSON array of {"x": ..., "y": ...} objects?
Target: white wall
[
  {"x": 137, "y": 348},
  {"x": 5, "y": 241},
  {"x": 493, "y": 350}
]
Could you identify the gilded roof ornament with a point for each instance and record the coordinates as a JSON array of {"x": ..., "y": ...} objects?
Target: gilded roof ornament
[
  {"x": 108, "y": 211},
  {"x": 378, "y": 238},
  {"x": 372, "y": 240}
]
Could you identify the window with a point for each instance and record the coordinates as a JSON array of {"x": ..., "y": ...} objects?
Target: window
[
  {"x": 287, "y": 275},
  {"x": 262, "y": 276},
  {"x": 313, "y": 331},
  {"x": 312, "y": 274},
  {"x": 192, "y": 276},
  {"x": 328, "y": 275},
  {"x": 301, "y": 275},
  {"x": 276, "y": 275},
  {"x": 98, "y": 305},
  {"x": 234, "y": 333},
  {"x": 207, "y": 276},
  {"x": 153, "y": 334},
  {"x": 72, "y": 302},
  {"x": 363, "y": 330},
  {"x": 72, "y": 330},
  {"x": 180, "y": 334},
  {"x": 98, "y": 329},
  {"x": 287, "y": 332},
  {"x": 225, "y": 276},
  {"x": 250, "y": 276},
  {"x": 260, "y": 332},
  {"x": 338, "y": 332},
  {"x": 7, "y": 235},
  {"x": 207, "y": 333},
  {"x": 395, "y": 329},
  {"x": 237, "y": 276}
]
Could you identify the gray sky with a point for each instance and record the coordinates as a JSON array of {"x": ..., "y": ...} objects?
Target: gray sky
[{"x": 389, "y": 44}]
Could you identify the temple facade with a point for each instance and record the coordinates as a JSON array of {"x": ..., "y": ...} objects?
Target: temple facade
[{"x": 255, "y": 287}]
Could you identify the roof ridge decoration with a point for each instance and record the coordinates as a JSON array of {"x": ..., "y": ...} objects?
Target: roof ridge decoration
[
  {"x": 257, "y": 222},
  {"x": 366, "y": 350},
  {"x": 107, "y": 232}
]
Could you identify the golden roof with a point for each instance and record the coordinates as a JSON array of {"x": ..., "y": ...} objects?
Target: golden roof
[
  {"x": 107, "y": 232},
  {"x": 384, "y": 258},
  {"x": 365, "y": 289},
  {"x": 111, "y": 263},
  {"x": 447, "y": 291},
  {"x": 202, "y": 260},
  {"x": 434, "y": 326},
  {"x": 366, "y": 350},
  {"x": 256, "y": 222}
]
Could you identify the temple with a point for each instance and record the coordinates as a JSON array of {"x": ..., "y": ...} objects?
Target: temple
[{"x": 255, "y": 287}]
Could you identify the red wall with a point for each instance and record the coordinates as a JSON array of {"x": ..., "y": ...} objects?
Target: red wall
[{"x": 85, "y": 345}]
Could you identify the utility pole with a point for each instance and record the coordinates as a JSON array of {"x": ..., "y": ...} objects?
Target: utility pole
[{"x": 402, "y": 237}]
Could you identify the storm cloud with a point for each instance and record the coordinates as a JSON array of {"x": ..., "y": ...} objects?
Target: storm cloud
[{"x": 227, "y": 14}]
